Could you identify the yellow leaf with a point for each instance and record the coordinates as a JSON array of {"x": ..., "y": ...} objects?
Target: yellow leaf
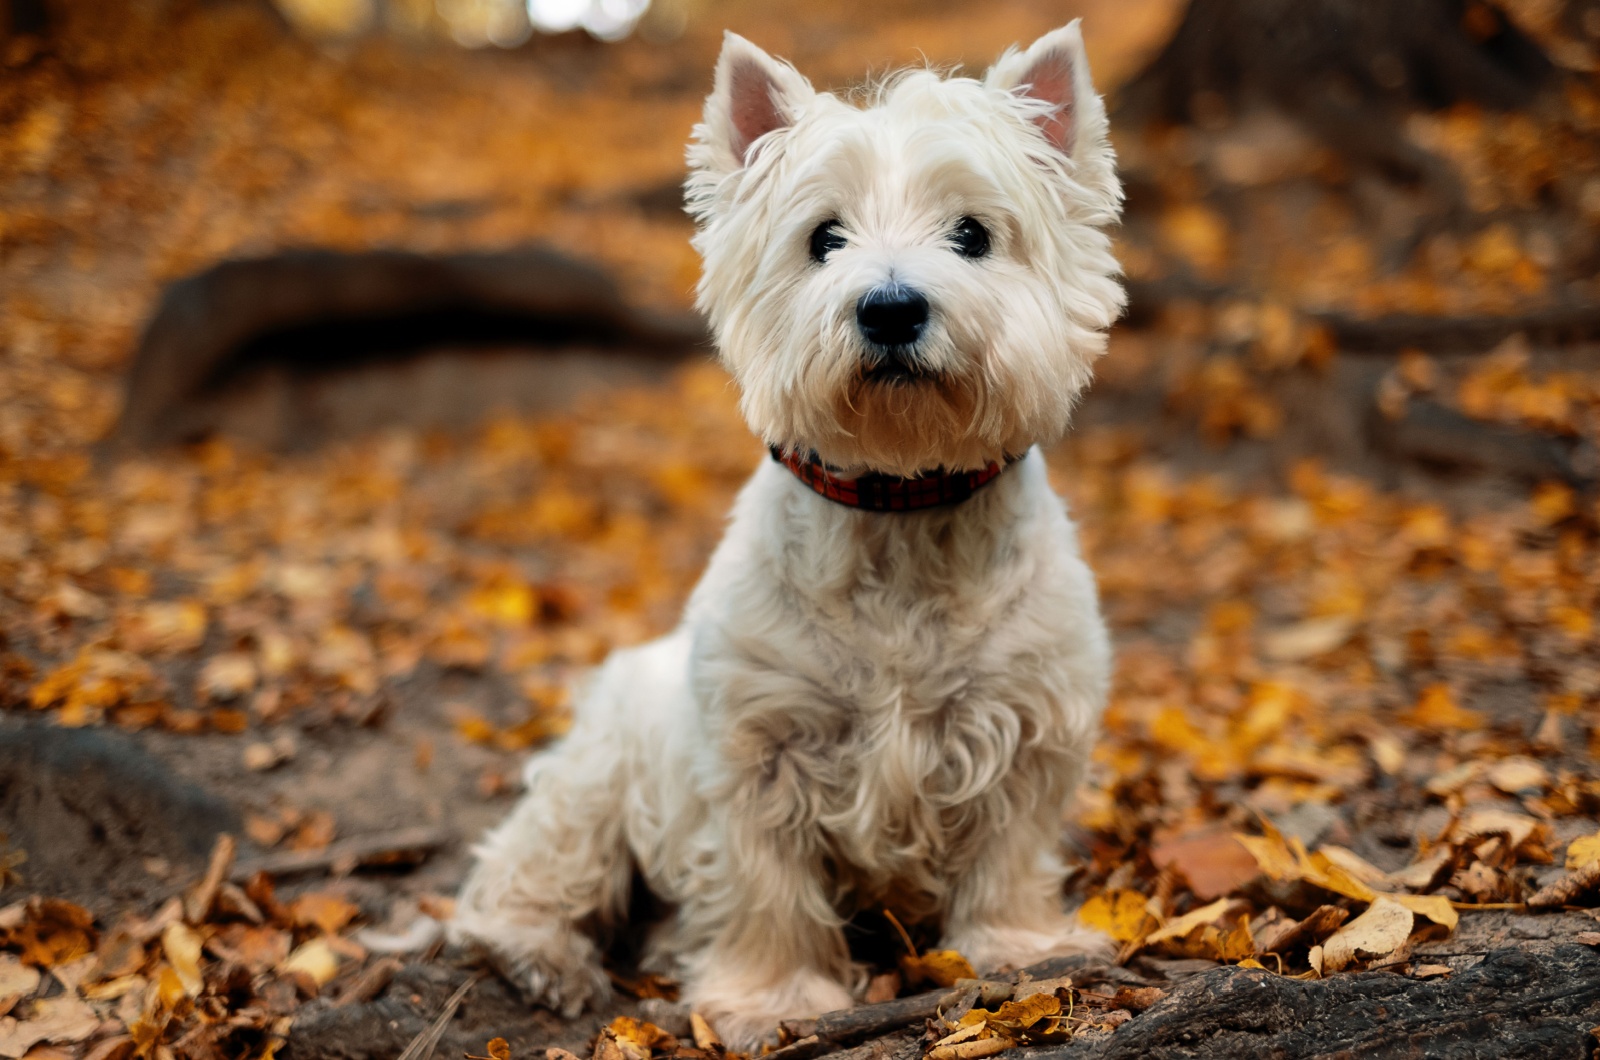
[
  {"x": 322, "y": 910},
  {"x": 1030, "y": 1010},
  {"x": 1438, "y": 710},
  {"x": 316, "y": 959},
  {"x": 639, "y": 1038},
  {"x": 181, "y": 944},
  {"x": 1124, "y": 915},
  {"x": 1180, "y": 927},
  {"x": 1583, "y": 851},
  {"x": 939, "y": 967},
  {"x": 1436, "y": 907},
  {"x": 1238, "y": 944},
  {"x": 1353, "y": 863},
  {"x": 1272, "y": 854}
]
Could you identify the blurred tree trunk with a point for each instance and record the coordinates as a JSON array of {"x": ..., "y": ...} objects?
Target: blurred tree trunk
[{"x": 1345, "y": 68}]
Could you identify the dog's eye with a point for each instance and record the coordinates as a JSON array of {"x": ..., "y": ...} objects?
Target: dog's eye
[
  {"x": 971, "y": 238},
  {"x": 826, "y": 238}
]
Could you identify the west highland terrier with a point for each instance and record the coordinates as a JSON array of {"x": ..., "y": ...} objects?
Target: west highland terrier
[{"x": 886, "y": 686}]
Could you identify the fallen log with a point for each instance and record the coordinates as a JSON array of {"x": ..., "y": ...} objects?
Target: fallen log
[
  {"x": 1515, "y": 1005},
  {"x": 402, "y": 846}
]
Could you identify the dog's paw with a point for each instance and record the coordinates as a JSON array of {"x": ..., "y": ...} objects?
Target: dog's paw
[
  {"x": 746, "y": 1016},
  {"x": 554, "y": 964},
  {"x": 1010, "y": 946}
]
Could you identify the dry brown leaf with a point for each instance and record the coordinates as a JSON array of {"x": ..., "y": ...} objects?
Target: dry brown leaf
[
  {"x": 638, "y": 1039},
  {"x": 52, "y": 932},
  {"x": 1211, "y": 859},
  {"x": 970, "y": 1050},
  {"x": 1308, "y": 639},
  {"x": 323, "y": 910},
  {"x": 17, "y": 981},
  {"x": 1024, "y": 1013},
  {"x": 54, "y": 1020},
  {"x": 1518, "y": 774},
  {"x": 1378, "y": 932},
  {"x": 1568, "y": 888},
  {"x": 705, "y": 1037}
]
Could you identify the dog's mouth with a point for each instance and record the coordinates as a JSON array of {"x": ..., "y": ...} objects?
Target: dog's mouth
[{"x": 896, "y": 367}]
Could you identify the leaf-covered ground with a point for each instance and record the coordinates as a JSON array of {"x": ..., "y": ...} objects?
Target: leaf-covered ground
[{"x": 1352, "y": 585}]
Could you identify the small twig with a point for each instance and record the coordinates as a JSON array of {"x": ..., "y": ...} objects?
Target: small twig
[
  {"x": 1416, "y": 958},
  {"x": 868, "y": 1021},
  {"x": 423, "y": 1045},
  {"x": 376, "y": 849},
  {"x": 198, "y": 902},
  {"x": 894, "y": 921}
]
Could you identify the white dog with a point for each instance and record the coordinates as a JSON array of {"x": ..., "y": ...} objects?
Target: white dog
[{"x": 885, "y": 688}]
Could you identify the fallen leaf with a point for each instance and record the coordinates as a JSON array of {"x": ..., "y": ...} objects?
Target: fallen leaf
[
  {"x": 939, "y": 967},
  {"x": 1020, "y": 1015},
  {"x": 1317, "y": 926},
  {"x": 1124, "y": 915},
  {"x": 323, "y": 910},
  {"x": 181, "y": 944},
  {"x": 1378, "y": 932},
  {"x": 17, "y": 981},
  {"x": 1308, "y": 639},
  {"x": 54, "y": 1020},
  {"x": 1583, "y": 851},
  {"x": 970, "y": 1050},
  {"x": 1206, "y": 915},
  {"x": 1518, "y": 774},
  {"x": 315, "y": 959},
  {"x": 1435, "y": 907},
  {"x": 639, "y": 1039},
  {"x": 1211, "y": 859}
]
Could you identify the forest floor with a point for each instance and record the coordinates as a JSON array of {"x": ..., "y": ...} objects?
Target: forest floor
[{"x": 1337, "y": 478}]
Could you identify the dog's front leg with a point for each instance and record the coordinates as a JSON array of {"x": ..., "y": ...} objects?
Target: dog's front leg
[
  {"x": 776, "y": 947},
  {"x": 1007, "y": 909},
  {"x": 559, "y": 868}
]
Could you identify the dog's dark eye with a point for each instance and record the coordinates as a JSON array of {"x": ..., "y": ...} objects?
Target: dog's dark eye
[
  {"x": 826, "y": 238},
  {"x": 971, "y": 238}
]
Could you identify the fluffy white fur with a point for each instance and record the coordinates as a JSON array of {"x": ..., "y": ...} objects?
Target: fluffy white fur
[{"x": 858, "y": 710}]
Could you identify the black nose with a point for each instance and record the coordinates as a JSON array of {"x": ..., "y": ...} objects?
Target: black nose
[{"x": 892, "y": 316}]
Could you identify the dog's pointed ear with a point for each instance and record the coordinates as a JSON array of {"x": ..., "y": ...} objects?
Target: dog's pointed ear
[
  {"x": 754, "y": 95},
  {"x": 1055, "y": 71}
]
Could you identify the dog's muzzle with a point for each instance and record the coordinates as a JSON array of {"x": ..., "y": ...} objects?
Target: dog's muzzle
[{"x": 892, "y": 319}]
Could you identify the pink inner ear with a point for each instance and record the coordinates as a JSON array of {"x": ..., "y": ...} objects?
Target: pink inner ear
[
  {"x": 1050, "y": 80},
  {"x": 753, "y": 110}
]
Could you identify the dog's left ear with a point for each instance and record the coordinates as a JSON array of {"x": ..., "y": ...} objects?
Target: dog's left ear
[
  {"x": 1055, "y": 71},
  {"x": 754, "y": 95}
]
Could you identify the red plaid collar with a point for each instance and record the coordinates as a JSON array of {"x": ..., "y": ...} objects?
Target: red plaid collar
[{"x": 889, "y": 493}]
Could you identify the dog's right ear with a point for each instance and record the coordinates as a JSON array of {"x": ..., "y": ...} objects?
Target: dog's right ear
[{"x": 754, "y": 95}]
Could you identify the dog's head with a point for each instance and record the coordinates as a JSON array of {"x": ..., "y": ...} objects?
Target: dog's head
[{"x": 921, "y": 282}]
